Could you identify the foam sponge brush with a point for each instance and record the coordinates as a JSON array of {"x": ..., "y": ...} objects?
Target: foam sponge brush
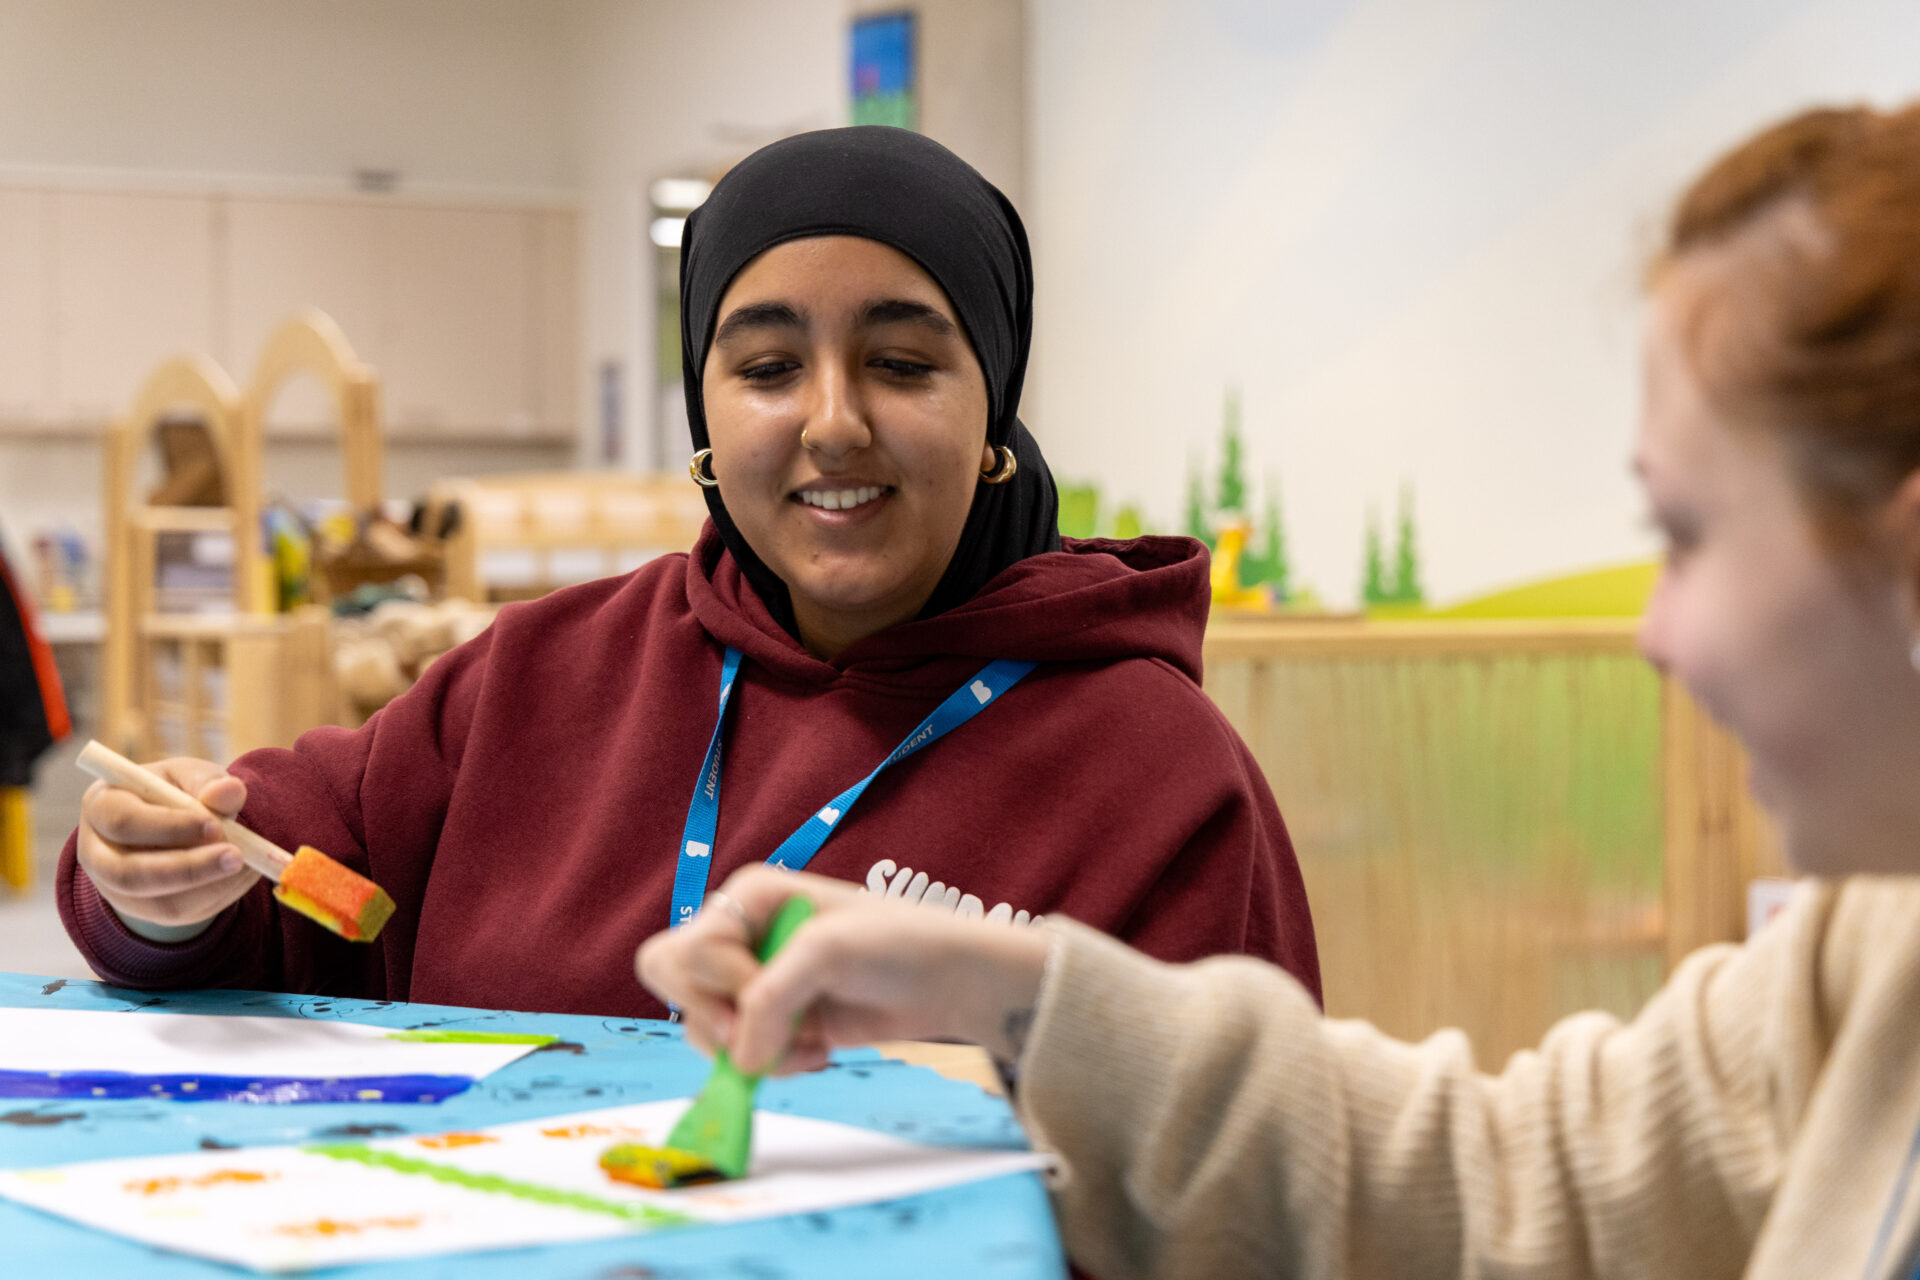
[
  {"x": 308, "y": 881},
  {"x": 714, "y": 1139},
  {"x": 657, "y": 1168},
  {"x": 341, "y": 899}
]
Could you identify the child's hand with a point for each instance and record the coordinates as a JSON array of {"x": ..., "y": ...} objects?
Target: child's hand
[
  {"x": 166, "y": 872},
  {"x": 864, "y": 968}
]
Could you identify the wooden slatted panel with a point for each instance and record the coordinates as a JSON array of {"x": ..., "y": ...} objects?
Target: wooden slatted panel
[{"x": 1488, "y": 815}]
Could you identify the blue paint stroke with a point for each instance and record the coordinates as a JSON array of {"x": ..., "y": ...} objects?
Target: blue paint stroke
[{"x": 206, "y": 1088}]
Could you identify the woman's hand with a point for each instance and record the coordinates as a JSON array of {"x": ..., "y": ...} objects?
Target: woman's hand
[
  {"x": 166, "y": 872},
  {"x": 864, "y": 968}
]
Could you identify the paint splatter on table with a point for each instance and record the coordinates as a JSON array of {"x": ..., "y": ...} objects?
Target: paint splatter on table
[{"x": 998, "y": 1228}]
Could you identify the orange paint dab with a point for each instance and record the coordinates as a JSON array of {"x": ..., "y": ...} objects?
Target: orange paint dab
[
  {"x": 588, "y": 1131},
  {"x": 163, "y": 1186},
  {"x": 326, "y": 1227},
  {"x": 719, "y": 1200},
  {"x": 447, "y": 1141}
]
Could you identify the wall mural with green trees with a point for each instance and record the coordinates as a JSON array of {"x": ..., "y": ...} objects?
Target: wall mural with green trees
[
  {"x": 1396, "y": 590},
  {"x": 1082, "y": 515},
  {"x": 1254, "y": 550},
  {"x": 1224, "y": 521},
  {"x": 1391, "y": 586}
]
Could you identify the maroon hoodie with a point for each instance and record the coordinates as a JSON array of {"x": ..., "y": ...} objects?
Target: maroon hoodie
[{"x": 524, "y": 802}]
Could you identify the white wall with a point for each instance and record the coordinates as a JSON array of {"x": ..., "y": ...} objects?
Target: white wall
[
  {"x": 1412, "y": 232},
  {"x": 462, "y": 94},
  {"x": 673, "y": 90}
]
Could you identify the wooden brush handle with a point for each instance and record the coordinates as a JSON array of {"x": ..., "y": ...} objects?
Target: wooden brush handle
[{"x": 260, "y": 853}]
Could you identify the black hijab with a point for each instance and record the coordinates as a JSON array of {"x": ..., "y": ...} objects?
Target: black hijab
[{"x": 908, "y": 192}]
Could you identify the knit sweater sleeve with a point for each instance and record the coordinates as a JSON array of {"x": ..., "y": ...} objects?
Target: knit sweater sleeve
[{"x": 1210, "y": 1122}]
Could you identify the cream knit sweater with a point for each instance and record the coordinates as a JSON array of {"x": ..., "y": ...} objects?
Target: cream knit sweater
[{"x": 1758, "y": 1119}]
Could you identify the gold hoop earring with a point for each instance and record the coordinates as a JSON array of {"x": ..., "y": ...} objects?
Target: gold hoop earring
[
  {"x": 1009, "y": 466},
  {"x": 701, "y": 469}
]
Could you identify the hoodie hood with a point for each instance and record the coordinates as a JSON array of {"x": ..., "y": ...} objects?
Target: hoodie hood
[{"x": 1095, "y": 600}]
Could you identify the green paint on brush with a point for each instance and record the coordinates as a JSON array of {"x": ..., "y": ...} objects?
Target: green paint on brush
[
  {"x": 469, "y": 1037},
  {"x": 718, "y": 1127},
  {"x": 639, "y": 1215}
]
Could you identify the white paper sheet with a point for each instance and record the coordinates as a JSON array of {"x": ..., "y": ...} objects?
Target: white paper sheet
[
  {"x": 287, "y": 1208},
  {"x": 81, "y": 1041}
]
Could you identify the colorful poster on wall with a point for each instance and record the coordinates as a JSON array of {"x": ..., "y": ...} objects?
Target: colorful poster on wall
[{"x": 885, "y": 78}]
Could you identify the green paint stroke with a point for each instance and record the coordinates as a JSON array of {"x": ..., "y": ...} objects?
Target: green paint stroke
[
  {"x": 469, "y": 1037},
  {"x": 639, "y": 1215}
]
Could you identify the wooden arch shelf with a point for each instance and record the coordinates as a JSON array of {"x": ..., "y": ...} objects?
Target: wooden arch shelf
[
  {"x": 310, "y": 342},
  {"x": 247, "y": 676},
  {"x": 196, "y": 386}
]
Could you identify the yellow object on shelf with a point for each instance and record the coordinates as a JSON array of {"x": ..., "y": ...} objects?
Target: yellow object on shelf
[
  {"x": 16, "y": 838},
  {"x": 1225, "y": 573}
]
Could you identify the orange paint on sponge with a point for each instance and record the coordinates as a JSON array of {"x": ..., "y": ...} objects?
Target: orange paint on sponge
[
  {"x": 657, "y": 1168},
  {"x": 323, "y": 890},
  {"x": 308, "y": 881}
]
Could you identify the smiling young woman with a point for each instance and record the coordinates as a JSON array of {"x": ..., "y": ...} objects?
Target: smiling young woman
[
  {"x": 880, "y": 662},
  {"x": 849, "y": 424},
  {"x": 1762, "y": 1114}
]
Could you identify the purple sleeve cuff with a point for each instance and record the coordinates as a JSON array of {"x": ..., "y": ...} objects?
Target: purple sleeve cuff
[{"x": 124, "y": 958}]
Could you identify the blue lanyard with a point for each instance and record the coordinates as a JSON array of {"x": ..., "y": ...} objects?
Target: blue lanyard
[{"x": 797, "y": 850}]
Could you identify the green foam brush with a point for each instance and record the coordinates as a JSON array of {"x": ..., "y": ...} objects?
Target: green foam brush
[{"x": 714, "y": 1139}]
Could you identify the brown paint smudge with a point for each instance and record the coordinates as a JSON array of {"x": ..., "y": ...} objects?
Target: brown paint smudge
[
  {"x": 35, "y": 1119},
  {"x": 361, "y": 1130}
]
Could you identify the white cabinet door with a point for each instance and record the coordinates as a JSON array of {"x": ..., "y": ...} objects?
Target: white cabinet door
[
  {"x": 133, "y": 280},
  {"x": 26, "y": 300},
  {"x": 282, "y": 257},
  {"x": 469, "y": 315},
  {"x": 458, "y": 311},
  {"x": 557, "y": 359}
]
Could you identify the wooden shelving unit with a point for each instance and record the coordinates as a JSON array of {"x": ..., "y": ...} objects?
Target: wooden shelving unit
[
  {"x": 563, "y": 526},
  {"x": 223, "y": 683}
]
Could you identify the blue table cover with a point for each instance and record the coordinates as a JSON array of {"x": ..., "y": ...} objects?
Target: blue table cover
[{"x": 997, "y": 1228}]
